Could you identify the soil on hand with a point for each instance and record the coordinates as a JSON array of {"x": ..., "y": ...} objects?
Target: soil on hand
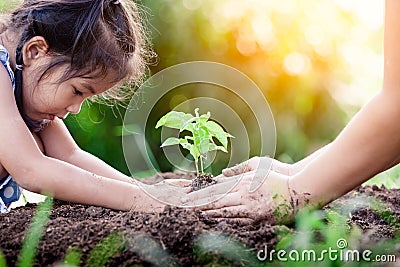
[
  {"x": 174, "y": 237},
  {"x": 202, "y": 181}
]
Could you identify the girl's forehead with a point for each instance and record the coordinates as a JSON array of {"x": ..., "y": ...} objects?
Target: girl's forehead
[
  {"x": 109, "y": 76},
  {"x": 96, "y": 84}
]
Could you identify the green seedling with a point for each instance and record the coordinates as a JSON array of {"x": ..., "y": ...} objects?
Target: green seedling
[{"x": 203, "y": 131}]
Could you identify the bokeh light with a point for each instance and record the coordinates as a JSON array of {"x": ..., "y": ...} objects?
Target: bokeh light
[{"x": 316, "y": 61}]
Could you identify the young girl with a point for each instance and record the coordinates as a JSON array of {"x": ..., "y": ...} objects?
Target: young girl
[
  {"x": 54, "y": 55},
  {"x": 368, "y": 145}
]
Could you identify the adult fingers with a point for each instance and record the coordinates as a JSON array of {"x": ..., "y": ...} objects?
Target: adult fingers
[
  {"x": 166, "y": 193},
  {"x": 241, "y": 221},
  {"x": 253, "y": 164},
  {"x": 222, "y": 179},
  {"x": 240, "y": 211},
  {"x": 245, "y": 166},
  {"x": 217, "y": 201},
  {"x": 203, "y": 196},
  {"x": 178, "y": 182}
]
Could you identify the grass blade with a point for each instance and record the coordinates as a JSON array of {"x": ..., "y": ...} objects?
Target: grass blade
[
  {"x": 73, "y": 257},
  {"x": 35, "y": 231},
  {"x": 3, "y": 262},
  {"x": 106, "y": 249}
]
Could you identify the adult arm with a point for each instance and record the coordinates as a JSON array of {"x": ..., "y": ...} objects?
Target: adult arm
[
  {"x": 369, "y": 144},
  {"x": 274, "y": 165},
  {"x": 371, "y": 141}
]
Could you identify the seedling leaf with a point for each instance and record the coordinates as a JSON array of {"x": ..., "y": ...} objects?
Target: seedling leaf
[
  {"x": 218, "y": 133},
  {"x": 204, "y": 118},
  {"x": 174, "y": 119},
  {"x": 204, "y": 137},
  {"x": 186, "y": 145},
  {"x": 215, "y": 147},
  {"x": 171, "y": 141},
  {"x": 202, "y": 130},
  {"x": 195, "y": 152}
]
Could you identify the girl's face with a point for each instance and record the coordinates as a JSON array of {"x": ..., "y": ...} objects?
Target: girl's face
[{"x": 48, "y": 98}]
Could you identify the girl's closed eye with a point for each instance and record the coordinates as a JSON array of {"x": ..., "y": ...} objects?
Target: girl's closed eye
[{"x": 77, "y": 92}]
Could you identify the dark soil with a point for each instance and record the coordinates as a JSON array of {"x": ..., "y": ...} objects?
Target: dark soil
[
  {"x": 202, "y": 181},
  {"x": 174, "y": 237}
]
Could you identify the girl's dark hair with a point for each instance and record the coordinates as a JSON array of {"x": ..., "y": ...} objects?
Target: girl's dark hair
[{"x": 91, "y": 37}]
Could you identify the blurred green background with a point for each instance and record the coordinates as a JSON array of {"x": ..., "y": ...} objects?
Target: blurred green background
[{"x": 316, "y": 61}]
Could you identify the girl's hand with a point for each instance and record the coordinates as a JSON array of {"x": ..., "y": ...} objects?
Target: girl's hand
[
  {"x": 257, "y": 162},
  {"x": 167, "y": 192},
  {"x": 270, "y": 202}
]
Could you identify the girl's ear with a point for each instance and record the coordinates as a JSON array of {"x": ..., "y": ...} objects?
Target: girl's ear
[{"x": 34, "y": 49}]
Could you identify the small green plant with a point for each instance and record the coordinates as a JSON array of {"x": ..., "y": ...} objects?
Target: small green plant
[{"x": 203, "y": 131}]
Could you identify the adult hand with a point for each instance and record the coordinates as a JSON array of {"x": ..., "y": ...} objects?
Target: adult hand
[
  {"x": 233, "y": 198},
  {"x": 176, "y": 182},
  {"x": 257, "y": 162}
]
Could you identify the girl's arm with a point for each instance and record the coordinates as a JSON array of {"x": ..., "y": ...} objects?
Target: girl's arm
[
  {"x": 21, "y": 157},
  {"x": 58, "y": 143}
]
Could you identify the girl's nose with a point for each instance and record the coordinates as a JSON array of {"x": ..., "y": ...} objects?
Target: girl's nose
[{"x": 75, "y": 108}]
